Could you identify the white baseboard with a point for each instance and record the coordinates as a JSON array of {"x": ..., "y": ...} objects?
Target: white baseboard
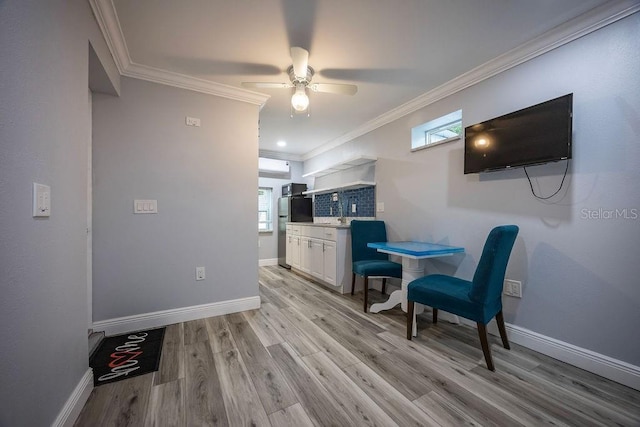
[
  {"x": 72, "y": 408},
  {"x": 605, "y": 366},
  {"x": 168, "y": 317},
  {"x": 599, "y": 364},
  {"x": 268, "y": 261}
]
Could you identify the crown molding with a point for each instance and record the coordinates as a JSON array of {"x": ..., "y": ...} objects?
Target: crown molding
[
  {"x": 107, "y": 20},
  {"x": 580, "y": 26},
  {"x": 183, "y": 81}
]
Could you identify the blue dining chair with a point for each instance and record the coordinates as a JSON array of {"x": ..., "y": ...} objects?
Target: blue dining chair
[
  {"x": 368, "y": 262},
  {"x": 479, "y": 300}
]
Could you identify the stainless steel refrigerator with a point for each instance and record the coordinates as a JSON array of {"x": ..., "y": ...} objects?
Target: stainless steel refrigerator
[{"x": 291, "y": 209}]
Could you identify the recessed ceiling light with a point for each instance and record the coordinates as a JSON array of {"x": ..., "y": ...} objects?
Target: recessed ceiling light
[{"x": 281, "y": 144}]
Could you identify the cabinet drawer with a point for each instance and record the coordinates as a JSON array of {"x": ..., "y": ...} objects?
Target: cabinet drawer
[
  {"x": 293, "y": 229},
  {"x": 316, "y": 232},
  {"x": 306, "y": 230},
  {"x": 329, "y": 233}
]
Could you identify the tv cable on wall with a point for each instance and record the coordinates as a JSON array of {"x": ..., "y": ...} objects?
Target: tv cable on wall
[{"x": 566, "y": 169}]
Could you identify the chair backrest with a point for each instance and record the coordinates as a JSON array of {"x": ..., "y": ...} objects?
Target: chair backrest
[
  {"x": 363, "y": 232},
  {"x": 489, "y": 276}
]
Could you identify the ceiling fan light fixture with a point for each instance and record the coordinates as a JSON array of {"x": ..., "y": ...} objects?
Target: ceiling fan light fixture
[{"x": 300, "y": 100}]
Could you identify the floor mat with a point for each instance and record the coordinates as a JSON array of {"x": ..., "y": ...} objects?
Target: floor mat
[{"x": 126, "y": 356}]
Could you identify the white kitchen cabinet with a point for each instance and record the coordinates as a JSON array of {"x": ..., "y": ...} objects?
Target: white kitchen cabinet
[
  {"x": 322, "y": 253},
  {"x": 317, "y": 261},
  {"x": 293, "y": 246},
  {"x": 305, "y": 254}
]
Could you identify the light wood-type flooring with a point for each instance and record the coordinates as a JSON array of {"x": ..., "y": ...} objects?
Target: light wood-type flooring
[{"x": 310, "y": 356}]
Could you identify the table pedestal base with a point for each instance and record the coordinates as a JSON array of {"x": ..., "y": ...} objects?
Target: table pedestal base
[{"x": 412, "y": 269}]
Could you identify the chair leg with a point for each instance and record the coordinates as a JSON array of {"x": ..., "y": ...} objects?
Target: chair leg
[
  {"x": 484, "y": 342},
  {"x": 353, "y": 282},
  {"x": 384, "y": 284},
  {"x": 435, "y": 316},
  {"x": 410, "y": 305},
  {"x": 503, "y": 331},
  {"x": 366, "y": 292}
]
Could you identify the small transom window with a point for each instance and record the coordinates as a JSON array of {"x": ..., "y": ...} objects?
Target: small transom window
[{"x": 438, "y": 131}]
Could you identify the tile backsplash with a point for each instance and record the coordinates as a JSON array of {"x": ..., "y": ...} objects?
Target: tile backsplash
[{"x": 364, "y": 199}]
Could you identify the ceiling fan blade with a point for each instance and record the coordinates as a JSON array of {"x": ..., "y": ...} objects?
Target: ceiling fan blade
[
  {"x": 266, "y": 85},
  {"x": 341, "y": 89},
  {"x": 300, "y": 58}
]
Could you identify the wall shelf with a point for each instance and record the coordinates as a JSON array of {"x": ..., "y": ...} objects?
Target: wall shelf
[
  {"x": 345, "y": 164},
  {"x": 348, "y": 186}
]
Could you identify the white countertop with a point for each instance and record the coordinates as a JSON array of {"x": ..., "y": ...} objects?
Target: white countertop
[
  {"x": 319, "y": 224},
  {"x": 330, "y": 222}
]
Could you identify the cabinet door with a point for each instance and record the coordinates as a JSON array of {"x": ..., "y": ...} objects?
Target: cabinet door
[
  {"x": 289, "y": 245},
  {"x": 305, "y": 254},
  {"x": 330, "y": 262},
  {"x": 317, "y": 259},
  {"x": 295, "y": 252}
]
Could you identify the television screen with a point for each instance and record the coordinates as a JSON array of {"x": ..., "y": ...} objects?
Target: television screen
[{"x": 534, "y": 135}]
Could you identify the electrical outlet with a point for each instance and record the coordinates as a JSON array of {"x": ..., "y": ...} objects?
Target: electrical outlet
[
  {"x": 512, "y": 288},
  {"x": 200, "y": 273},
  {"x": 353, "y": 208},
  {"x": 380, "y": 207}
]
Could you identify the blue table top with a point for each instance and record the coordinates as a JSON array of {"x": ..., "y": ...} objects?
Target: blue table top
[{"x": 416, "y": 249}]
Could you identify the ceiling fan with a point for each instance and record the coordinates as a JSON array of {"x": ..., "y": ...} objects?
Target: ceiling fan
[{"x": 300, "y": 75}]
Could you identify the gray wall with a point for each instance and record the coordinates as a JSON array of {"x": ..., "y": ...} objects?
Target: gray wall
[
  {"x": 268, "y": 249},
  {"x": 580, "y": 276},
  {"x": 204, "y": 179},
  {"x": 44, "y": 135}
]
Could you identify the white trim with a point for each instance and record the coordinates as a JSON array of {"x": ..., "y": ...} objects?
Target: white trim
[
  {"x": 605, "y": 366},
  {"x": 155, "y": 319},
  {"x": 107, "y": 19},
  {"x": 433, "y": 144},
  {"x": 74, "y": 404},
  {"x": 582, "y": 25},
  {"x": 169, "y": 78},
  {"x": 267, "y": 261}
]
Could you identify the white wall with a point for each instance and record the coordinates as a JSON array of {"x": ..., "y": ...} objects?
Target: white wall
[
  {"x": 44, "y": 128},
  {"x": 268, "y": 250},
  {"x": 580, "y": 276},
  {"x": 204, "y": 179}
]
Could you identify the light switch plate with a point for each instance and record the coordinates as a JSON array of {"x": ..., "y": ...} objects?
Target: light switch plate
[
  {"x": 192, "y": 121},
  {"x": 145, "y": 206},
  {"x": 41, "y": 200},
  {"x": 380, "y": 207}
]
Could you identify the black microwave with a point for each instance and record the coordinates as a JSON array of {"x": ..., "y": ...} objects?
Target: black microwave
[{"x": 293, "y": 190}]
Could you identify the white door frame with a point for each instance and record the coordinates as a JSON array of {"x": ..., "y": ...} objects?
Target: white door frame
[{"x": 90, "y": 218}]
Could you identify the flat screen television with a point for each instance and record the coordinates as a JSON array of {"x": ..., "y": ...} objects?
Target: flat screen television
[{"x": 533, "y": 135}]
